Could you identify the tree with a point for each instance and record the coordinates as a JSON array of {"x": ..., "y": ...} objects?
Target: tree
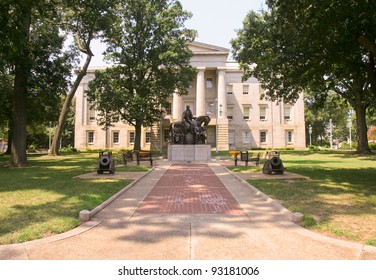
[
  {"x": 318, "y": 115},
  {"x": 300, "y": 45},
  {"x": 147, "y": 43},
  {"x": 85, "y": 20},
  {"x": 31, "y": 51}
]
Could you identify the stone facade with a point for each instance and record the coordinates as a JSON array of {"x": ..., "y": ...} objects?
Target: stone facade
[{"x": 239, "y": 119}]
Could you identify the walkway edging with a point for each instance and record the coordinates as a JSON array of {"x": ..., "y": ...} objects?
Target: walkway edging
[
  {"x": 86, "y": 215},
  {"x": 291, "y": 224},
  {"x": 265, "y": 197}
]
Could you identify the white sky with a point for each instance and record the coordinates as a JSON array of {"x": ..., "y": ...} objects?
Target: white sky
[{"x": 214, "y": 20}]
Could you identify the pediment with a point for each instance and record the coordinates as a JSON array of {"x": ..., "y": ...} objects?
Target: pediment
[{"x": 202, "y": 48}]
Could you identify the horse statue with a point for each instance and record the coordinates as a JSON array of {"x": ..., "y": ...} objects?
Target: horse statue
[
  {"x": 192, "y": 131},
  {"x": 200, "y": 129}
]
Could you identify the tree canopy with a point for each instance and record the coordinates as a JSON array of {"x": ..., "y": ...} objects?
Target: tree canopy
[
  {"x": 33, "y": 64},
  {"x": 317, "y": 46},
  {"x": 147, "y": 45}
]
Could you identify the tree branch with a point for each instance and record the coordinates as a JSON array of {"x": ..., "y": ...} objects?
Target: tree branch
[{"x": 365, "y": 42}]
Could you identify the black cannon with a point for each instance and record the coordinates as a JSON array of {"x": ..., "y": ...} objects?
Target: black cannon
[
  {"x": 273, "y": 164},
  {"x": 106, "y": 163}
]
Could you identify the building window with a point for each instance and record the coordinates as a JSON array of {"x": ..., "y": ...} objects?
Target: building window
[
  {"x": 231, "y": 138},
  {"x": 131, "y": 137},
  {"x": 263, "y": 137},
  {"x": 246, "y": 112},
  {"x": 262, "y": 112},
  {"x": 230, "y": 112},
  {"x": 245, "y": 89},
  {"x": 147, "y": 137},
  {"x": 115, "y": 137},
  {"x": 230, "y": 89},
  {"x": 167, "y": 109},
  {"x": 287, "y": 112},
  {"x": 209, "y": 83},
  {"x": 246, "y": 137},
  {"x": 91, "y": 113},
  {"x": 289, "y": 137},
  {"x": 210, "y": 108},
  {"x": 90, "y": 137}
]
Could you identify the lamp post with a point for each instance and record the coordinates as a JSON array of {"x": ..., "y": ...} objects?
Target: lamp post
[
  {"x": 331, "y": 133},
  {"x": 310, "y": 134},
  {"x": 349, "y": 124}
]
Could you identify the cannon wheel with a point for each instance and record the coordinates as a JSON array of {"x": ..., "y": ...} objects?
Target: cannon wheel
[{"x": 267, "y": 168}]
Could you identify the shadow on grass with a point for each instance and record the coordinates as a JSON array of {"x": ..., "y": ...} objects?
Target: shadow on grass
[{"x": 330, "y": 195}]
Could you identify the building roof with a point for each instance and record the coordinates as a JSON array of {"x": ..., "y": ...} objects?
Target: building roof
[{"x": 201, "y": 48}]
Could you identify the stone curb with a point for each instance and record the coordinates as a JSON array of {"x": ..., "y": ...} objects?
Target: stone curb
[
  {"x": 86, "y": 215},
  {"x": 19, "y": 249},
  {"x": 83, "y": 227},
  {"x": 265, "y": 197},
  {"x": 294, "y": 219}
]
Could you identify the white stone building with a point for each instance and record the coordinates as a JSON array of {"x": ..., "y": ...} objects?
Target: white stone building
[{"x": 239, "y": 119}]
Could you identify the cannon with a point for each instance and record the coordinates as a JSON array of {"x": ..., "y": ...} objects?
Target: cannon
[
  {"x": 106, "y": 163},
  {"x": 273, "y": 163}
]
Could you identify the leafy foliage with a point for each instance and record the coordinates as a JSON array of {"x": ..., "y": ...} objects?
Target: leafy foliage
[
  {"x": 299, "y": 46},
  {"x": 34, "y": 64},
  {"x": 147, "y": 43}
]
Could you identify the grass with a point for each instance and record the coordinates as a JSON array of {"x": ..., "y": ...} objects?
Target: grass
[
  {"x": 338, "y": 198},
  {"x": 44, "y": 198}
]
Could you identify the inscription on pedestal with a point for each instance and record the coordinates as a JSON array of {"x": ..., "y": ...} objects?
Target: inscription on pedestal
[{"x": 189, "y": 152}]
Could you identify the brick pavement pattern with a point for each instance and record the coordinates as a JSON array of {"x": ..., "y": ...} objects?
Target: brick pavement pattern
[{"x": 190, "y": 189}]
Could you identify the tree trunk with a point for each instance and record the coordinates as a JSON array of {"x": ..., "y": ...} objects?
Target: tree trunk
[
  {"x": 361, "y": 128},
  {"x": 54, "y": 151},
  {"x": 19, "y": 116},
  {"x": 59, "y": 129},
  {"x": 137, "y": 140}
]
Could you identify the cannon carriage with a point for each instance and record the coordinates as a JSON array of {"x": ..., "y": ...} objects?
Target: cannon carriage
[
  {"x": 273, "y": 163},
  {"x": 106, "y": 163}
]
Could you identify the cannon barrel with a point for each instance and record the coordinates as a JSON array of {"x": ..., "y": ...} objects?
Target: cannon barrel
[{"x": 106, "y": 163}]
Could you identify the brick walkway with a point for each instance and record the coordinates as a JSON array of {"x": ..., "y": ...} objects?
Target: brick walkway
[{"x": 190, "y": 189}]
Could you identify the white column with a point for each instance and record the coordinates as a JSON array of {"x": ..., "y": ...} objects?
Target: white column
[
  {"x": 200, "y": 92},
  {"x": 221, "y": 87},
  {"x": 177, "y": 105}
]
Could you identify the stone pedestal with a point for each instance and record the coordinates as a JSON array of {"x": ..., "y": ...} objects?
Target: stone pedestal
[{"x": 201, "y": 152}]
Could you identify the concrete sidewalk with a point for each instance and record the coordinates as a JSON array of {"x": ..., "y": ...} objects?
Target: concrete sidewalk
[{"x": 190, "y": 212}]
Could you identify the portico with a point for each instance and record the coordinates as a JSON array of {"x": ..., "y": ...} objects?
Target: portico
[{"x": 207, "y": 94}]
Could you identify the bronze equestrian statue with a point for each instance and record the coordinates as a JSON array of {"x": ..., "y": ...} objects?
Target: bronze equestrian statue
[{"x": 189, "y": 130}]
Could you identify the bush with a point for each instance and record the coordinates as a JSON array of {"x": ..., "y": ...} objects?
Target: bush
[
  {"x": 314, "y": 148},
  {"x": 32, "y": 148},
  {"x": 372, "y": 146},
  {"x": 69, "y": 149}
]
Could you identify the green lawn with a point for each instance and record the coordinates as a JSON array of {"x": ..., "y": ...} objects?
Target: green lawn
[
  {"x": 44, "y": 198},
  {"x": 337, "y": 199}
]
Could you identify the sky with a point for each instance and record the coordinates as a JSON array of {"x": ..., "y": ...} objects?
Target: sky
[
  {"x": 214, "y": 20},
  {"x": 217, "y": 20}
]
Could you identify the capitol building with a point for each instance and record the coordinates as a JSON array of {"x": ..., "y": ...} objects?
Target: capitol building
[{"x": 239, "y": 118}]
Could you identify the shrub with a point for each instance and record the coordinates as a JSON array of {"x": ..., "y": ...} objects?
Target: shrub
[
  {"x": 69, "y": 149},
  {"x": 32, "y": 148},
  {"x": 372, "y": 146},
  {"x": 314, "y": 148}
]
